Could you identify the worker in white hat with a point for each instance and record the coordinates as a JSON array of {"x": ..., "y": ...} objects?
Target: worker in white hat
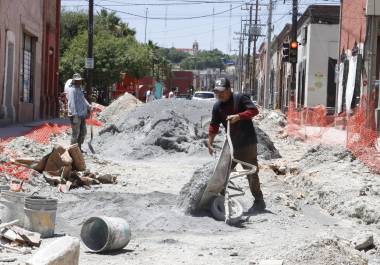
[{"x": 78, "y": 108}]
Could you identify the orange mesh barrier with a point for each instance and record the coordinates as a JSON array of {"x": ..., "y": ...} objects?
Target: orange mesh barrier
[
  {"x": 44, "y": 132},
  {"x": 359, "y": 135}
]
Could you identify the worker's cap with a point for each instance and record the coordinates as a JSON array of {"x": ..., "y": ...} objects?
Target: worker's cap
[
  {"x": 222, "y": 84},
  {"x": 77, "y": 77}
]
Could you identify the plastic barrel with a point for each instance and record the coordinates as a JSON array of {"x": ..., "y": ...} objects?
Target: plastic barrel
[
  {"x": 104, "y": 233},
  {"x": 13, "y": 203},
  {"x": 40, "y": 214}
]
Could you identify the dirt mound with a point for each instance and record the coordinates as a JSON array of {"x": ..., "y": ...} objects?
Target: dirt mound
[
  {"x": 327, "y": 252},
  {"x": 191, "y": 193},
  {"x": 124, "y": 103},
  {"x": 156, "y": 128}
]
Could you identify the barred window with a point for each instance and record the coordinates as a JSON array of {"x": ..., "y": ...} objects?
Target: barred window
[{"x": 27, "y": 68}]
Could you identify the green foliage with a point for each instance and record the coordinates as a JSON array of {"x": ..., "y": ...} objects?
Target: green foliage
[
  {"x": 205, "y": 59},
  {"x": 112, "y": 55},
  {"x": 173, "y": 55},
  {"x": 109, "y": 21},
  {"x": 72, "y": 24},
  {"x": 115, "y": 49}
]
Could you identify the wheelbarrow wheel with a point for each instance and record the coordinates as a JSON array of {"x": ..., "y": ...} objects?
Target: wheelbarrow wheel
[{"x": 218, "y": 212}]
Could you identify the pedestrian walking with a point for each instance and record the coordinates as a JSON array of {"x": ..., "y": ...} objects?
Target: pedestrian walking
[
  {"x": 78, "y": 109},
  {"x": 239, "y": 110}
]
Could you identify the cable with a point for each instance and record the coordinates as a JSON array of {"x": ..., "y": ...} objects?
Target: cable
[{"x": 169, "y": 18}]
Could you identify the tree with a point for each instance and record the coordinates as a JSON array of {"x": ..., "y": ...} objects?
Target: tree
[
  {"x": 173, "y": 55},
  {"x": 73, "y": 23},
  {"x": 205, "y": 59},
  {"x": 109, "y": 21},
  {"x": 112, "y": 55}
]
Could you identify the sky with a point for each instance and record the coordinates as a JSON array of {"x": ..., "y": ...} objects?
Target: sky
[{"x": 190, "y": 20}]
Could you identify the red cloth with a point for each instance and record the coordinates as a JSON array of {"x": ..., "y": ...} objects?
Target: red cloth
[
  {"x": 213, "y": 129},
  {"x": 245, "y": 115},
  {"x": 248, "y": 114}
]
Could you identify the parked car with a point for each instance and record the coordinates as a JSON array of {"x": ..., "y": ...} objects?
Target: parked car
[{"x": 204, "y": 95}]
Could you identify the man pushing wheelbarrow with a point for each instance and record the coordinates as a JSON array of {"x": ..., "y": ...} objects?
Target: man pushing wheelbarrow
[{"x": 236, "y": 111}]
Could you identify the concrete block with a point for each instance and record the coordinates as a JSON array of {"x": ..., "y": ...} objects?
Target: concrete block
[{"x": 63, "y": 251}]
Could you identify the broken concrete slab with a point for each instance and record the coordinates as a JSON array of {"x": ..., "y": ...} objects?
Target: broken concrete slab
[
  {"x": 63, "y": 251},
  {"x": 363, "y": 242}
]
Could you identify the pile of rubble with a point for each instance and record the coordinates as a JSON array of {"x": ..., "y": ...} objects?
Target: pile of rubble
[
  {"x": 65, "y": 168},
  {"x": 18, "y": 238}
]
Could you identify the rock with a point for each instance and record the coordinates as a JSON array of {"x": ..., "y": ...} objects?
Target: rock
[
  {"x": 363, "y": 242},
  {"x": 63, "y": 251}
]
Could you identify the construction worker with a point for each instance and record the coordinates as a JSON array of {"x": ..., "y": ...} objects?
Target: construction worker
[
  {"x": 78, "y": 108},
  {"x": 239, "y": 110}
]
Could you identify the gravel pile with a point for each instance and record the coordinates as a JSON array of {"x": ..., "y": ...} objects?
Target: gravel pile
[
  {"x": 156, "y": 128},
  {"x": 123, "y": 104},
  {"x": 265, "y": 147},
  {"x": 327, "y": 252},
  {"x": 191, "y": 193}
]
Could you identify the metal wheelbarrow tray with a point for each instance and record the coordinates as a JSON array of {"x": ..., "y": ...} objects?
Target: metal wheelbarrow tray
[{"x": 220, "y": 184}]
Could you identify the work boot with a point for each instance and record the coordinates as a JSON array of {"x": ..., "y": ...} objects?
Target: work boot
[{"x": 258, "y": 206}]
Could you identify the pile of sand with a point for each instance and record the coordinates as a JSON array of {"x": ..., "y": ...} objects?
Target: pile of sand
[{"x": 124, "y": 103}]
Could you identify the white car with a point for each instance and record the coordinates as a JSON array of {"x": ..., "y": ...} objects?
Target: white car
[{"x": 204, "y": 95}]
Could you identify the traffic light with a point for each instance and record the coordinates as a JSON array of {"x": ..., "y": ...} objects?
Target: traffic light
[
  {"x": 293, "y": 52},
  {"x": 285, "y": 52}
]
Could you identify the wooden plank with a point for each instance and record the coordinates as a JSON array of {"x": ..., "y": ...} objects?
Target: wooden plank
[{"x": 33, "y": 238}]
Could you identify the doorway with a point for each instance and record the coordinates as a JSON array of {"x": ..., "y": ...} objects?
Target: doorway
[{"x": 8, "y": 107}]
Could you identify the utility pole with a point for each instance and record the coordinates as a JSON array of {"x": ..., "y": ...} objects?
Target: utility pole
[
  {"x": 268, "y": 58},
  {"x": 248, "y": 69},
  {"x": 242, "y": 58},
  {"x": 213, "y": 30},
  {"x": 294, "y": 64},
  {"x": 229, "y": 46},
  {"x": 90, "y": 58},
  {"x": 146, "y": 22},
  {"x": 253, "y": 79}
]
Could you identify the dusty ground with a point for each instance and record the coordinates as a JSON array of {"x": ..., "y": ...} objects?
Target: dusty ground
[{"x": 314, "y": 211}]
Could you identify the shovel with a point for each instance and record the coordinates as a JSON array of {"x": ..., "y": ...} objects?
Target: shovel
[{"x": 92, "y": 136}]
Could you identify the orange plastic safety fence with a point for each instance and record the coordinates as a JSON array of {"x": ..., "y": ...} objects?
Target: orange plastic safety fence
[
  {"x": 44, "y": 132},
  {"x": 314, "y": 124}
]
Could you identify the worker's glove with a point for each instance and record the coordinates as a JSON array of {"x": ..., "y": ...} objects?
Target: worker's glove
[{"x": 233, "y": 118}]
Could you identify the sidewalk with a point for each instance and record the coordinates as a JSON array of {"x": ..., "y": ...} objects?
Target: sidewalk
[{"x": 16, "y": 130}]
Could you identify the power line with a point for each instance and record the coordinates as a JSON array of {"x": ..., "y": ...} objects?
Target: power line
[{"x": 169, "y": 18}]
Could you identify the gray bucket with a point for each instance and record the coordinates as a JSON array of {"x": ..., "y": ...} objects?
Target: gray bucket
[
  {"x": 13, "y": 203},
  {"x": 104, "y": 233},
  {"x": 40, "y": 214}
]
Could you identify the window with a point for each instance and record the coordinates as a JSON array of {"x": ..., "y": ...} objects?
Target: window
[{"x": 27, "y": 69}]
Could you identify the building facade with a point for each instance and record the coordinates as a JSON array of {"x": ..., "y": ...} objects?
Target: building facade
[
  {"x": 29, "y": 57},
  {"x": 318, "y": 52},
  {"x": 280, "y": 72}
]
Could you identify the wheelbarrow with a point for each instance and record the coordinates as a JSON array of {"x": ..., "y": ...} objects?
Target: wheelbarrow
[{"x": 220, "y": 193}]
